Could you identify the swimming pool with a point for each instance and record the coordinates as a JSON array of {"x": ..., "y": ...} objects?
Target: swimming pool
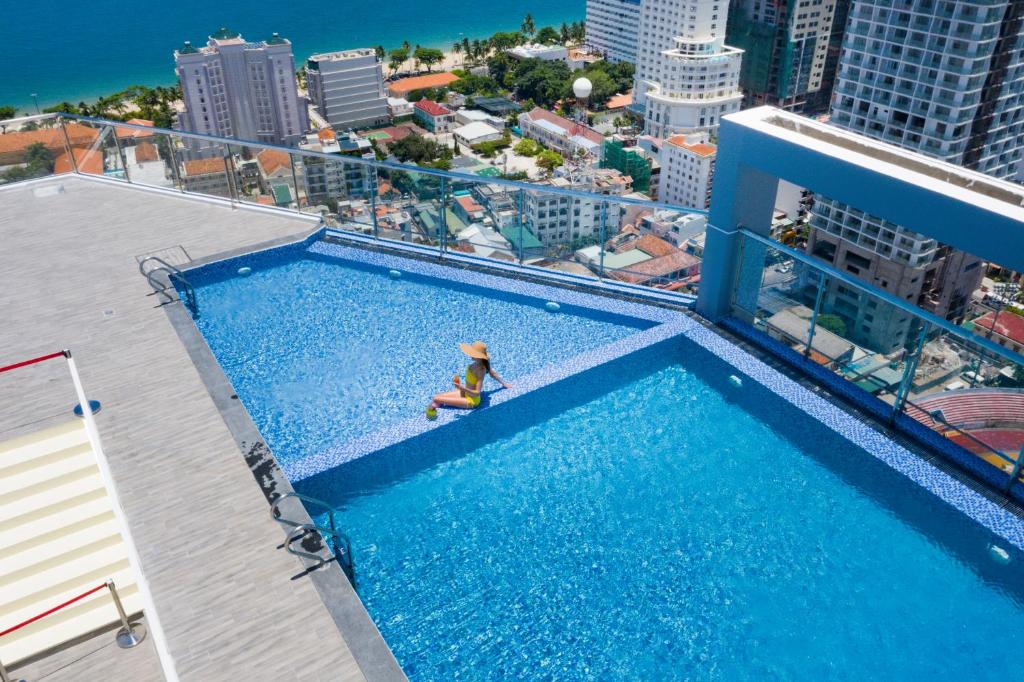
[
  {"x": 648, "y": 519},
  {"x": 326, "y": 348}
]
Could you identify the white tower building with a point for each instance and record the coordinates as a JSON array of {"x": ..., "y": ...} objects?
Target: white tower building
[{"x": 687, "y": 78}]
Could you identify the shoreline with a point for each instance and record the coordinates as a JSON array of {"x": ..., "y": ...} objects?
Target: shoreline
[{"x": 451, "y": 60}]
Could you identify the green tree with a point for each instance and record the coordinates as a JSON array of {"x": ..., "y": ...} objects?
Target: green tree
[
  {"x": 62, "y": 108},
  {"x": 548, "y": 161},
  {"x": 832, "y": 323},
  {"x": 467, "y": 49},
  {"x": 7, "y": 111},
  {"x": 397, "y": 57},
  {"x": 547, "y": 36},
  {"x": 419, "y": 150},
  {"x": 37, "y": 162},
  {"x": 564, "y": 33},
  {"x": 379, "y": 51},
  {"x": 506, "y": 40},
  {"x": 428, "y": 56},
  {"x": 527, "y": 147},
  {"x": 528, "y": 28}
]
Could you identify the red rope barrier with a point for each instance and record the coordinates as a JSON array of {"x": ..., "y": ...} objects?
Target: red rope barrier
[
  {"x": 44, "y": 614},
  {"x": 33, "y": 361}
]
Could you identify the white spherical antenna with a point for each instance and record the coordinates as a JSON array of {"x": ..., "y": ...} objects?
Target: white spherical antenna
[{"x": 582, "y": 87}]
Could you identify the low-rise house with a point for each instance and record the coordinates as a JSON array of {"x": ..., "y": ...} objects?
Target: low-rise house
[
  {"x": 436, "y": 118},
  {"x": 477, "y": 132},
  {"x": 559, "y": 133},
  {"x": 399, "y": 108},
  {"x": 467, "y": 116},
  {"x": 486, "y": 242},
  {"x": 209, "y": 176},
  {"x": 468, "y": 208},
  {"x": 1006, "y": 329},
  {"x": 548, "y": 53},
  {"x": 276, "y": 171},
  {"x": 403, "y": 86}
]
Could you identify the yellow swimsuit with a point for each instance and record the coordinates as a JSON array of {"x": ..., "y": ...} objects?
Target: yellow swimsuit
[{"x": 471, "y": 381}]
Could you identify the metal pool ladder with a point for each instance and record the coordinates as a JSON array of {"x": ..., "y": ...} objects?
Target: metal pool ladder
[
  {"x": 173, "y": 275},
  {"x": 337, "y": 542}
]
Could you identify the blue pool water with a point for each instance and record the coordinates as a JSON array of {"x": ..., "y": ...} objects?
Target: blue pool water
[
  {"x": 648, "y": 520},
  {"x": 322, "y": 350}
]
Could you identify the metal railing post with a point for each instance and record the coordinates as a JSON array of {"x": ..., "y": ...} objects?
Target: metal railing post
[
  {"x": 522, "y": 222},
  {"x": 229, "y": 176},
  {"x": 604, "y": 238},
  {"x": 374, "y": 189},
  {"x": 120, "y": 154},
  {"x": 1015, "y": 474},
  {"x": 908, "y": 375},
  {"x": 814, "y": 314},
  {"x": 174, "y": 165},
  {"x": 129, "y": 635},
  {"x": 295, "y": 182},
  {"x": 71, "y": 153},
  {"x": 442, "y": 219}
]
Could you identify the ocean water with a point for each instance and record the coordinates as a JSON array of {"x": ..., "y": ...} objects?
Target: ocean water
[
  {"x": 322, "y": 350},
  {"x": 73, "y": 50},
  {"x": 647, "y": 520}
]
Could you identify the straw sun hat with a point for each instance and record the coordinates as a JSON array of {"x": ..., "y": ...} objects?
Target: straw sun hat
[{"x": 476, "y": 350}]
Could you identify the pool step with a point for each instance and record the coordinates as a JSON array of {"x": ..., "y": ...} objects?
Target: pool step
[{"x": 59, "y": 537}]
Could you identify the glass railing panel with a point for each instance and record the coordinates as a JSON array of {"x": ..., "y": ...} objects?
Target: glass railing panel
[
  {"x": 557, "y": 228},
  {"x": 483, "y": 220},
  {"x": 971, "y": 395},
  {"x": 409, "y": 207},
  {"x": 34, "y": 147},
  {"x": 344, "y": 192},
  {"x": 657, "y": 248},
  {"x": 150, "y": 157},
  {"x": 950, "y": 379},
  {"x": 210, "y": 169},
  {"x": 252, "y": 184}
]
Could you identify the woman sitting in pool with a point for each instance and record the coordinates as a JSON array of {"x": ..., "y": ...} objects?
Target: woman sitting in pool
[{"x": 467, "y": 396}]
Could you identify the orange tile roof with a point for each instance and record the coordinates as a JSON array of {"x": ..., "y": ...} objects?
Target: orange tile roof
[
  {"x": 662, "y": 266},
  {"x": 13, "y": 144},
  {"x": 272, "y": 160},
  {"x": 88, "y": 161},
  {"x": 432, "y": 107},
  {"x": 265, "y": 200},
  {"x": 146, "y": 151},
  {"x": 404, "y": 86},
  {"x": 699, "y": 148},
  {"x": 654, "y": 245},
  {"x": 620, "y": 101},
  {"x": 469, "y": 204},
  {"x": 131, "y": 132},
  {"x": 204, "y": 166}
]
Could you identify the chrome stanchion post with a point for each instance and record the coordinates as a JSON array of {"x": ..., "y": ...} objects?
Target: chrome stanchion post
[{"x": 129, "y": 635}]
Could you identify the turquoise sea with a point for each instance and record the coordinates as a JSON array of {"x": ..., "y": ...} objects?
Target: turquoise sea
[{"x": 73, "y": 51}]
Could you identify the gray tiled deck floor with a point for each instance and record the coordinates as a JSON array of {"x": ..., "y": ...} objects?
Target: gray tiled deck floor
[{"x": 69, "y": 278}]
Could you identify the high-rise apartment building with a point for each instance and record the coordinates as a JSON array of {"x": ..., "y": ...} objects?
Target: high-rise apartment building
[
  {"x": 687, "y": 78},
  {"x": 239, "y": 89},
  {"x": 942, "y": 78},
  {"x": 612, "y": 28},
  {"x": 785, "y": 46},
  {"x": 347, "y": 88}
]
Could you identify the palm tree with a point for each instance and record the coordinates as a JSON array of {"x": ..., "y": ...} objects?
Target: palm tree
[
  {"x": 478, "y": 50},
  {"x": 528, "y": 28},
  {"x": 415, "y": 58},
  {"x": 379, "y": 51},
  {"x": 457, "y": 49},
  {"x": 467, "y": 48}
]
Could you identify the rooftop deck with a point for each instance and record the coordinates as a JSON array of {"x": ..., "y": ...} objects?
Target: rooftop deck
[{"x": 231, "y": 603}]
